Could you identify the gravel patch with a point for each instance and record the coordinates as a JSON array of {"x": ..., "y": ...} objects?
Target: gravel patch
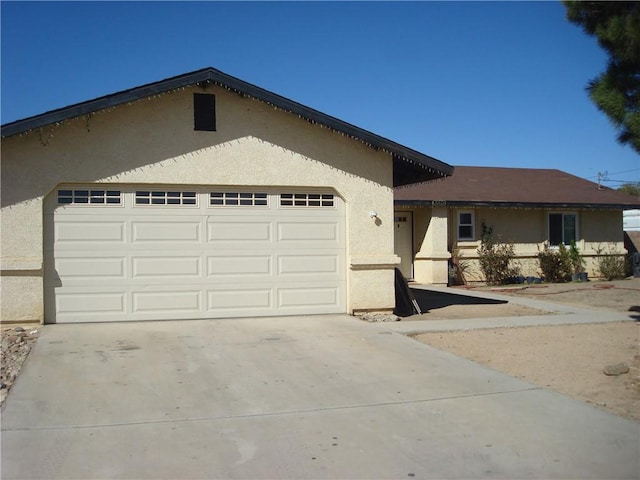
[{"x": 15, "y": 346}]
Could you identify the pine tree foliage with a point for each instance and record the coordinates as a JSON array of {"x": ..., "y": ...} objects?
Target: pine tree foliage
[
  {"x": 631, "y": 188},
  {"x": 616, "y": 91}
]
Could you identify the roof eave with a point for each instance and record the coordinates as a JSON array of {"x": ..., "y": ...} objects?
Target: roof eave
[
  {"x": 418, "y": 167},
  {"x": 532, "y": 205}
]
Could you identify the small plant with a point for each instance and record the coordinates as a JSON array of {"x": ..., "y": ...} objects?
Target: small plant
[
  {"x": 577, "y": 262},
  {"x": 556, "y": 265},
  {"x": 496, "y": 258},
  {"x": 610, "y": 263},
  {"x": 458, "y": 267}
]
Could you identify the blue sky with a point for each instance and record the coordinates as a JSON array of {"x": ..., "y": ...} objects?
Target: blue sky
[{"x": 470, "y": 83}]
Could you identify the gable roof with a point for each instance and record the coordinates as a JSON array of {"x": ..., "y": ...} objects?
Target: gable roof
[
  {"x": 409, "y": 165},
  {"x": 514, "y": 187}
]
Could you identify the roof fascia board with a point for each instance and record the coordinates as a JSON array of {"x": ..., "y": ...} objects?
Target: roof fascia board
[
  {"x": 459, "y": 203},
  {"x": 101, "y": 103}
]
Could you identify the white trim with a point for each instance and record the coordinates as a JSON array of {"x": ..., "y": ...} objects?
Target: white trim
[{"x": 472, "y": 224}]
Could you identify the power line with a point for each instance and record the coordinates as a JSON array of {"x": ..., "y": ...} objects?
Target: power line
[
  {"x": 626, "y": 171},
  {"x": 600, "y": 174},
  {"x": 620, "y": 181}
]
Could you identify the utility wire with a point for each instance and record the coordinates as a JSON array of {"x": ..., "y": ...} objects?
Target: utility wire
[{"x": 615, "y": 173}]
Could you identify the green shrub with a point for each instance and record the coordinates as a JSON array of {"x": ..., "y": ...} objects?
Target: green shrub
[
  {"x": 555, "y": 265},
  {"x": 611, "y": 264},
  {"x": 577, "y": 262},
  {"x": 496, "y": 259}
]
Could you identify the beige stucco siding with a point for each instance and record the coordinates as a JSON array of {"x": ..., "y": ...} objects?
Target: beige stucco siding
[
  {"x": 525, "y": 227},
  {"x": 152, "y": 141}
]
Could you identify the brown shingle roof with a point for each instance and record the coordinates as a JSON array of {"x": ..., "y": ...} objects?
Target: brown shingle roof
[{"x": 512, "y": 187}]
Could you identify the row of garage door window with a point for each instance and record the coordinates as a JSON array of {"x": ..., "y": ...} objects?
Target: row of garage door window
[{"x": 222, "y": 199}]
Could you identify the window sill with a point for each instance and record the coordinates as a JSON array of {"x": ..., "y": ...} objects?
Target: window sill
[{"x": 467, "y": 244}]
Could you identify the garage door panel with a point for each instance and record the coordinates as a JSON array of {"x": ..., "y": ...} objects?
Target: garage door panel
[
  {"x": 307, "y": 265},
  {"x": 242, "y": 299},
  {"x": 239, "y": 266},
  {"x": 295, "y": 297},
  {"x": 165, "y": 262},
  {"x": 91, "y": 268},
  {"x": 239, "y": 231},
  {"x": 165, "y": 301},
  {"x": 307, "y": 232},
  {"x": 78, "y": 231},
  {"x": 165, "y": 231},
  {"x": 166, "y": 267},
  {"x": 90, "y": 303}
]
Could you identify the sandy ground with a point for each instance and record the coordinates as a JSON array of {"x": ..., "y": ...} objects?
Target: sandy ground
[{"x": 567, "y": 358}]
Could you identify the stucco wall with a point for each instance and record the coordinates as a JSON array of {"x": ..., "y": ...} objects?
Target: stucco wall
[
  {"x": 152, "y": 141},
  {"x": 527, "y": 229}
]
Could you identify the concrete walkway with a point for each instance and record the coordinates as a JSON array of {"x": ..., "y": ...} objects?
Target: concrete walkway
[
  {"x": 560, "y": 314},
  {"x": 291, "y": 397}
]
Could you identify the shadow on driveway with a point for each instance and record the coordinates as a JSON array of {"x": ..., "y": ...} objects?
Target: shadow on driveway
[{"x": 431, "y": 300}]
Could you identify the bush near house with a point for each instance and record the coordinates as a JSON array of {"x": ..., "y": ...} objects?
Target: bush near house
[
  {"x": 496, "y": 258},
  {"x": 611, "y": 264},
  {"x": 556, "y": 265}
]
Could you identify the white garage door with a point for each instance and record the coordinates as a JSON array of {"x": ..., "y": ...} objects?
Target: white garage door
[{"x": 126, "y": 253}]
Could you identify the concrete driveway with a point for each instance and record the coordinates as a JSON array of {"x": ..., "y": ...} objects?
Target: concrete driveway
[{"x": 295, "y": 397}]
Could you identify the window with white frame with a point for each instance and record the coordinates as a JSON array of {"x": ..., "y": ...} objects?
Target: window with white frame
[
  {"x": 82, "y": 196},
  {"x": 466, "y": 225},
  {"x": 162, "y": 197},
  {"x": 306, "y": 200},
  {"x": 238, "y": 199},
  {"x": 563, "y": 228}
]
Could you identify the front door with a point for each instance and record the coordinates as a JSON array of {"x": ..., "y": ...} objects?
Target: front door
[{"x": 403, "y": 241}]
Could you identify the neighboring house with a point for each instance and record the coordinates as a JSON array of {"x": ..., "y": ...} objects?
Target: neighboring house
[
  {"x": 530, "y": 207},
  {"x": 631, "y": 220},
  {"x": 631, "y": 225},
  {"x": 199, "y": 196}
]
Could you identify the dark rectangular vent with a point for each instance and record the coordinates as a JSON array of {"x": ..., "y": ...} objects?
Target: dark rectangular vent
[{"x": 204, "y": 112}]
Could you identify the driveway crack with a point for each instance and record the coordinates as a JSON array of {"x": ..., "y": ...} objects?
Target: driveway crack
[{"x": 270, "y": 414}]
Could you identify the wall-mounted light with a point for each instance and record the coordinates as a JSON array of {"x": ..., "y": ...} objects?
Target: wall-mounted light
[{"x": 373, "y": 214}]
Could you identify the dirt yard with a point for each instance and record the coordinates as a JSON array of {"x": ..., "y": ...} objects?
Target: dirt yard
[{"x": 568, "y": 358}]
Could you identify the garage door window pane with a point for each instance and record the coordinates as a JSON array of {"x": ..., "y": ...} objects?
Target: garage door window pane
[
  {"x": 85, "y": 197},
  {"x": 158, "y": 197},
  {"x": 306, "y": 200},
  {"x": 238, "y": 199},
  {"x": 189, "y": 198}
]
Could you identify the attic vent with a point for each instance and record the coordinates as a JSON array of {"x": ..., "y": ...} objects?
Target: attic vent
[{"x": 204, "y": 112}]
